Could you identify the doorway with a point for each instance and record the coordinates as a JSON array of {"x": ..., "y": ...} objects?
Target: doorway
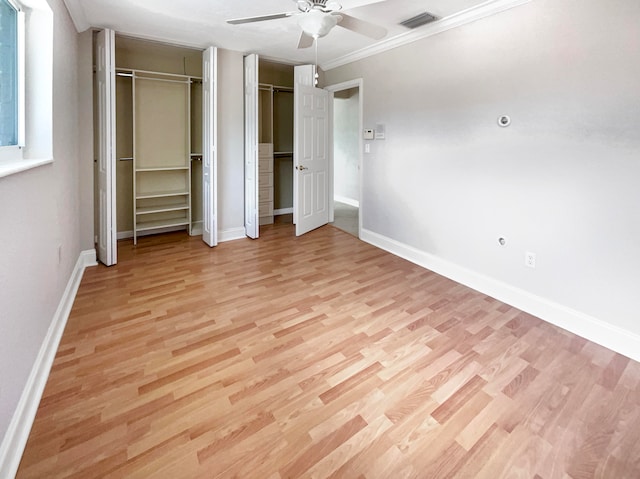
[
  {"x": 346, "y": 154},
  {"x": 155, "y": 131}
]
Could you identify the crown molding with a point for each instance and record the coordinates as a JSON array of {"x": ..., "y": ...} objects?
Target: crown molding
[
  {"x": 76, "y": 11},
  {"x": 483, "y": 10}
]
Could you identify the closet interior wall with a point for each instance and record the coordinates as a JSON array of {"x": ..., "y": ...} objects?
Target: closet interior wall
[
  {"x": 158, "y": 138},
  {"x": 275, "y": 137}
]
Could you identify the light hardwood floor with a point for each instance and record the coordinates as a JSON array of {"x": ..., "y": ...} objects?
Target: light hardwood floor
[{"x": 320, "y": 356}]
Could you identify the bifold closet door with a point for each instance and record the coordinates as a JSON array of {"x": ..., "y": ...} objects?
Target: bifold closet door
[
  {"x": 105, "y": 82},
  {"x": 210, "y": 146},
  {"x": 251, "y": 222}
]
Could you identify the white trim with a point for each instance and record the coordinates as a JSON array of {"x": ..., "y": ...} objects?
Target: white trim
[
  {"x": 124, "y": 235},
  {"x": 17, "y": 166},
  {"x": 226, "y": 235},
  {"x": 22, "y": 59},
  {"x": 347, "y": 201},
  {"x": 17, "y": 434},
  {"x": 483, "y": 10},
  {"x": 167, "y": 229},
  {"x": 283, "y": 211},
  {"x": 596, "y": 330},
  {"x": 196, "y": 228},
  {"x": 231, "y": 234}
]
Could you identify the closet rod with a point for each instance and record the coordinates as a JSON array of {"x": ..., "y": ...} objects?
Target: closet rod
[
  {"x": 186, "y": 82},
  {"x": 149, "y": 72}
]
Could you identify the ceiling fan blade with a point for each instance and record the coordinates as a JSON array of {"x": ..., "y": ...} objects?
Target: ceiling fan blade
[
  {"x": 362, "y": 27},
  {"x": 262, "y": 18},
  {"x": 305, "y": 41}
]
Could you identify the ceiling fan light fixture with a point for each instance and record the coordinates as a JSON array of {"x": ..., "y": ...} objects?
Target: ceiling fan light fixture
[{"x": 316, "y": 23}]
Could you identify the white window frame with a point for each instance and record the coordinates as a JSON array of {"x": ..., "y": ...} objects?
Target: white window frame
[
  {"x": 35, "y": 89},
  {"x": 20, "y": 80}
]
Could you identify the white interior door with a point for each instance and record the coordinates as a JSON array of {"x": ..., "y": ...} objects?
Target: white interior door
[
  {"x": 251, "y": 146},
  {"x": 209, "y": 146},
  {"x": 311, "y": 158},
  {"x": 106, "y": 82}
]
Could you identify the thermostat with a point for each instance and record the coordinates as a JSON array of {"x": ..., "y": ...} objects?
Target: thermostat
[{"x": 368, "y": 134}]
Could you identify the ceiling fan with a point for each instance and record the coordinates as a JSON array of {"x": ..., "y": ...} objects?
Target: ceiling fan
[{"x": 316, "y": 18}]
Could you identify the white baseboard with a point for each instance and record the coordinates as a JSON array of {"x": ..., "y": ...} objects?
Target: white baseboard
[
  {"x": 283, "y": 211},
  {"x": 347, "y": 201},
  {"x": 231, "y": 234},
  {"x": 17, "y": 434},
  {"x": 168, "y": 229},
  {"x": 596, "y": 330}
]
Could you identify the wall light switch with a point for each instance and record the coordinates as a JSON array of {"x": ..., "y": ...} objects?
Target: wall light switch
[{"x": 367, "y": 148}]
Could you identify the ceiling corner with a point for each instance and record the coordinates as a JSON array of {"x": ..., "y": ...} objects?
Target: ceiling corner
[{"x": 78, "y": 16}]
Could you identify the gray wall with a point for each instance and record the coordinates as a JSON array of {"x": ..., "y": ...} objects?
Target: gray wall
[
  {"x": 561, "y": 181},
  {"x": 43, "y": 209},
  {"x": 346, "y": 144}
]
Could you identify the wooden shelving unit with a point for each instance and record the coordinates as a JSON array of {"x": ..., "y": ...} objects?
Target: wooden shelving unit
[{"x": 161, "y": 151}]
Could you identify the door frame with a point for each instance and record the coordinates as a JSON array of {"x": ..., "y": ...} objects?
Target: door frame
[{"x": 347, "y": 85}]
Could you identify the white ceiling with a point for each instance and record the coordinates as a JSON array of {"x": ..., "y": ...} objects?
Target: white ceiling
[{"x": 200, "y": 23}]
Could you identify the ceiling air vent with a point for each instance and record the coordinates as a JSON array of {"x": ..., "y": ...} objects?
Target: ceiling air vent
[{"x": 419, "y": 20}]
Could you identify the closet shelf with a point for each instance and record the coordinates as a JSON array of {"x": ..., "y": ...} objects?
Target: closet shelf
[
  {"x": 161, "y": 208},
  {"x": 161, "y": 194},
  {"x": 152, "y": 225},
  {"x": 161, "y": 168}
]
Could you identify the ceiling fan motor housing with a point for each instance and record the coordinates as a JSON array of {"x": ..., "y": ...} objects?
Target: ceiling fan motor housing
[{"x": 325, "y": 6}]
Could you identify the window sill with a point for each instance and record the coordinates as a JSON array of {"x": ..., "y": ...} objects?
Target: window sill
[{"x": 12, "y": 167}]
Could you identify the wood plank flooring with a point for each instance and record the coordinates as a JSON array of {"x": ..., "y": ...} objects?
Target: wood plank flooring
[{"x": 320, "y": 356}]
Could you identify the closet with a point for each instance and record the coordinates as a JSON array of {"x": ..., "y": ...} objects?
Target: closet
[
  {"x": 275, "y": 138},
  {"x": 158, "y": 138}
]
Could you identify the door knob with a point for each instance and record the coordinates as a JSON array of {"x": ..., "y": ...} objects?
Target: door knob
[{"x": 301, "y": 168}]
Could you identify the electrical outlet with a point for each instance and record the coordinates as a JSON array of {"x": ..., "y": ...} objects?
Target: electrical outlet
[{"x": 530, "y": 259}]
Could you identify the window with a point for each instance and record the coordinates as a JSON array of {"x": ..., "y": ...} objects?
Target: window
[
  {"x": 9, "y": 74},
  {"x": 26, "y": 85}
]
